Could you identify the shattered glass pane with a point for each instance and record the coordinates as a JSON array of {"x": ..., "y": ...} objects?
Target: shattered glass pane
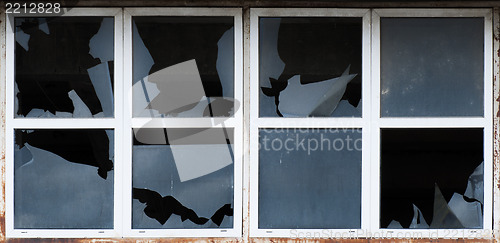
[
  {"x": 183, "y": 67},
  {"x": 63, "y": 179},
  {"x": 432, "y": 178},
  {"x": 310, "y": 67},
  {"x": 310, "y": 178},
  {"x": 64, "y": 67},
  {"x": 432, "y": 67},
  {"x": 182, "y": 178}
]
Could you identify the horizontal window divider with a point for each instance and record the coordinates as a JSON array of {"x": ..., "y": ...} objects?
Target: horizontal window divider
[
  {"x": 70, "y": 123},
  {"x": 310, "y": 122},
  {"x": 183, "y": 122},
  {"x": 422, "y": 122}
]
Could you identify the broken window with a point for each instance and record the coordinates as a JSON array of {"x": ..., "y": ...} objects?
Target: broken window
[
  {"x": 63, "y": 179},
  {"x": 186, "y": 117},
  {"x": 183, "y": 66},
  {"x": 434, "y": 124},
  {"x": 432, "y": 178},
  {"x": 61, "y": 169},
  {"x": 307, "y": 171},
  {"x": 310, "y": 67},
  {"x": 64, "y": 67},
  {"x": 182, "y": 178}
]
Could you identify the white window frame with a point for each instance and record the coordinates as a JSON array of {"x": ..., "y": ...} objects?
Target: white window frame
[
  {"x": 371, "y": 123},
  {"x": 257, "y": 122},
  {"x": 485, "y": 122},
  {"x": 114, "y": 123},
  {"x": 235, "y": 122}
]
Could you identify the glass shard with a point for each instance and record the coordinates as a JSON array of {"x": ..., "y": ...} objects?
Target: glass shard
[
  {"x": 443, "y": 217},
  {"x": 470, "y": 214},
  {"x": 418, "y": 221},
  {"x": 313, "y": 99},
  {"x": 475, "y": 186},
  {"x": 81, "y": 110},
  {"x": 100, "y": 77}
]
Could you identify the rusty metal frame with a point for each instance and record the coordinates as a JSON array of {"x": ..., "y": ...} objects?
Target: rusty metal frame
[{"x": 246, "y": 5}]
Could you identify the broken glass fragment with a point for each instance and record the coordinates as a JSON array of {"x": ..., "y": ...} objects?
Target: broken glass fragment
[
  {"x": 35, "y": 113},
  {"x": 43, "y": 26},
  {"x": 200, "y": 180},
  {"x": 414, "y": 162},
  {"x": 55, "y": 61},
  {"x": 191, "y": 63},
  {"x": 475, "y": 185},
  {"x": 52, "y": 189},
  {"x": 225, "y": 62},
  {"x": 432, "y": 67},
  {"x": 81, "y": 110},
  {"x": 443, "y": 217},
  {"x": 21, "y": 37},
  {"x": 100, "y": 45},
  {"x": 418, "y": 221},
  {"x": 313, "y": 99},
  {"x": 316, "y": 49},
  {"x": 100, "y": 77},
  {"x": 268, "y": 46},
  {"x": 309, "y": 178},
  {"x": 394, "y": 225},
  {"x": 470, "y": 214}
]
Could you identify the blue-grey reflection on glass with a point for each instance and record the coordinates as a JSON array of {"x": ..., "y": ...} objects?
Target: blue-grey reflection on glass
[
  {"x": 183, "y": 66},
  {"x": 64, "y": 67},
  {"x": 432, "y": 67},
  {"x": 310, "y": 67},
  {"x": 184, "y": 180},
  {"x": 310, "y": 178},
  {"x": 63, "y": 179}
]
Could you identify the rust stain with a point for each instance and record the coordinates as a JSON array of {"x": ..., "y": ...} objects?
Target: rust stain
[
  {"x": 156, "y": 240},
  {"x": 287, "y": 240}
]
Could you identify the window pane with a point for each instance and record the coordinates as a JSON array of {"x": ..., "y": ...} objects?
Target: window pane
[
  {"x": 310, "y": 178},
  {"x": 183, "y": 66},
  {"x": 432, "y": 67},
  {"x": 63, "y": 179},
  {"x": 64, "y": 67},
  {"x": 310, "y": 67},
  {"x": 432, "y": 178},
  {"x": 182, "y": 178}
]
